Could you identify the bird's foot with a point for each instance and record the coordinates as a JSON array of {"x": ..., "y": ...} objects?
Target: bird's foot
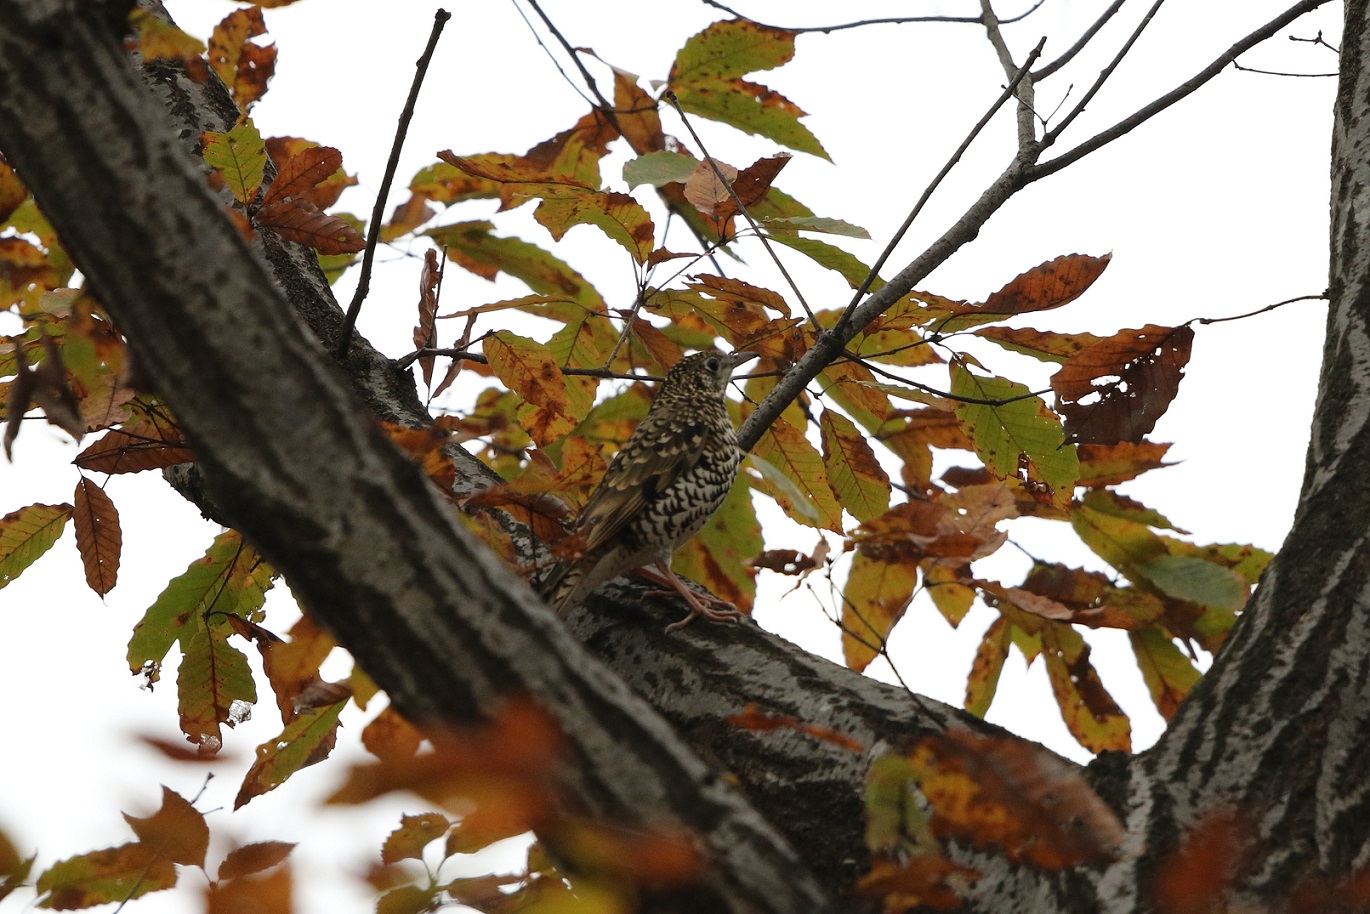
[{"x": 715, "y": 609}]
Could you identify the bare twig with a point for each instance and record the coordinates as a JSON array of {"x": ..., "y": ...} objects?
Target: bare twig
[
  {"x": 1321, "y": 296},
  {"x": 1027, "y": 126},
  {"x": 932, "y": 186},
  {"x": 1084, "y": 39},
  {"x": 1237, "y": 66},
  {"x": 741, "y": 207},
  {"x": 373, "y": 232},
  {"x": 603, "y": 103},
  {"x": 468, "y": 356},
  {"x": 1147, "y": 112},
  {"x": 893, "y": 20}
]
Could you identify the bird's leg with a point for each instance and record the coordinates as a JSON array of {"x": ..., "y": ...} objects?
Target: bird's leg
[{"x": 699, "y": 603}]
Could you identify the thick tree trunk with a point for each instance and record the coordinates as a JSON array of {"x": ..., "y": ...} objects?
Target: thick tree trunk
[{"x": 1272, "y": 735}]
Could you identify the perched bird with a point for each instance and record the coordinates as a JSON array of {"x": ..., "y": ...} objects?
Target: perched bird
[{"x": 659, "y": 489}]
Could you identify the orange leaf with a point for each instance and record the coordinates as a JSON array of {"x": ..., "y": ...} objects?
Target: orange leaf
[
  {"x": 177, "y": 831},
  {"x": 1110, "y": 464},
  {"x": 1053, "y": 284},
  {"x": 144, "y": 444},
  {"x": 932, "y": 881},
  {"x": 270, "y": 894},
  {"x": 1013, "y": 794},
  {"x": 413, "y": 835},
  {"x": 754, "y": 719},
  {"x": 244, "y": 67},
  {"x": 390, "y": 736},
  {"x": 253, "y": 858},
  {"x": 298, "y": 175},
  {"x": 98, "y": 538},
  {"x": 296, "y": 219},
  {"x": 875, "y": 597},
  {"x": 1147, "y": 366},
  {"x": 529, "y": 369},
  {"x": 1196, "y": 876}
]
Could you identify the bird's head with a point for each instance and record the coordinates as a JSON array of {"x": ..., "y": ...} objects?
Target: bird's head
[{"x": 702, "y": 373}]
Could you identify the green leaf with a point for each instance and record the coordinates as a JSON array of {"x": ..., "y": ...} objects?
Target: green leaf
[
  {"x": 26, "y": 534},
  {"x": 822, "y": 224},
  {"x": 617, "y": 215},
  {"x": 472, "y": 246},
  {"x": 240, "y": 156},
  {"x": 786, "y": 449},
  {"x": 659, "y": 169},
  {"x": 115, "y": 874},
  {"x": 230, "y": 578},
  {"x": 830, "y": 257},
  {"x": 214, "y": 684},
  {"x": 1122, "y": 543},
  {"x": 1024, "y": 428},
  {"x": 1168, "y": 673},
  {"x": 854, "y": 473},
  {"x": 306, "y": 740},
  {"x": 706, "y": 80},
  {"x": 1196, "y": 581}
]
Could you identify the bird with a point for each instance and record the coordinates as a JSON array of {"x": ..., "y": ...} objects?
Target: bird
[{"x": 660, "y": 488}]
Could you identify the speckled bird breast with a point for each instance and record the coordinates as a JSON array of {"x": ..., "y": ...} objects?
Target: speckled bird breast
[{"x": 680, "y": 511}]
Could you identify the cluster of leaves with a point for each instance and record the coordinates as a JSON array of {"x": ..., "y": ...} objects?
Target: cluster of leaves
[{"x": 843, "y": 459}]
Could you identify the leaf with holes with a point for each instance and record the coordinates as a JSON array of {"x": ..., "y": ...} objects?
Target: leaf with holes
[
  {"x": 1090, "y": 713},
  {"x": 98, "y": 537},
  {"x": 1115, "y": 390},
  {"x": 26, "y": 534},
  {"x": 214, "y": 685},
  {"x": 306, "y": 740},
  {"x": 983, "y": 681}
]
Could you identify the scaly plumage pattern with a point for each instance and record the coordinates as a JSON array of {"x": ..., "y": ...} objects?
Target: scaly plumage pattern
[{"x": 660, "y": 488}]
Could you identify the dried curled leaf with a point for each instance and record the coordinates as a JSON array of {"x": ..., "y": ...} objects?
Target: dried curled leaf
[{"x": 1115, "y": 389}]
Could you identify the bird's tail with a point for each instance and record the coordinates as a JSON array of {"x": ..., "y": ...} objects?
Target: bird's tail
[{"x": 559, "y": 587}]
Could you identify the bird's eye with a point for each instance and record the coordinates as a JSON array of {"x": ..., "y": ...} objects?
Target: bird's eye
[{"x": 711, "y": 364}]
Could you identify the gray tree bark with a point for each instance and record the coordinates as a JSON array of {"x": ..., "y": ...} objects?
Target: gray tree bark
[{"x": 229, "y": 336}]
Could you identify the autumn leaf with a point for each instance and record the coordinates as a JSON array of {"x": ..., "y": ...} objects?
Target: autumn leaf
[
  {"x": 240, "y": 157},
  {"x": 987, "y": 666},
  {"x": 214, "y": 685},
  {"x": 707, "y": 191},
  {"x": 1117, "y": 388},
  {"x": 1043, "y": 345},
  {"x": 177, "y": 831},
  {"x": 1111, "y": 464},
  {"x": 856, "y": 477},
  {"x": 244, "y": 67},
  {"x": 98, "y": 537},
  {"x": 1053, "y": 284},
  {"x": 807, "y": 498},
  {"x": 159, "y": 39},
  {"x": 269, "y": 894},
  {"x": 950, "y": 595},
  {"x": 146, "y": 443},
  {"x": 116, "y": 874},
  {"x": 306, "y": 740},
  {"x": 413, "y": 834},
  {"x": 875, "y": 597},
  {"x": 26, "y": 534},
  {"x": 472, "y": 246},
  {"x": 1168, "y": 673},
  {"x": 659, "y": 168},
  {"x": 706, "y": 78},
  {"x": 253, "y": 858},
  {"x": 426, "y": 332},
  {"x": 1013, "y": 795},
  {"x": 389, "y": 736},
  {"x": 44, "y": 387},
  {"x": 302, "y": 176},
  {"x": 297, "y": 219},
  {"x": 618, "y": 216},
  {"x": 1090, "y": 713},
  {"x": 753, "y": 718},
  {"x": 1019, "y": 431},
  {"x": 529, "y": 369},
  {"x": 293, "y": 665}
]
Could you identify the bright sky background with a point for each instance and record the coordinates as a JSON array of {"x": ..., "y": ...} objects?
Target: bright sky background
[{"x": 1217, "y": 207}]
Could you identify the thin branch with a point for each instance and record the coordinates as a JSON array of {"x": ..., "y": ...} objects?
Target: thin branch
[
  {"x": 373, "y": 233},
  {"x": 1027, "y": 127},
  {"x": 956, "y": 398},
  {"x": 1144, "y": 114},
  {"x": 1050, "y": 136},
  {"x": 1237, "y": 66},
  {"x": 1079, "y": 45},
  {"x": 467, "y": 356},
  {"x": 894, "y": 20},
  {"x": 741, "y": 207},
  {"x": 1321, "y": 296},
  {"x": 936, "y": 181},
  {"x": 603, "y": 103}
]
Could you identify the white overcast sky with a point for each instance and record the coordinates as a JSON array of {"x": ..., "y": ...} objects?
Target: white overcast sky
[{"x": 1216, "y": 207}]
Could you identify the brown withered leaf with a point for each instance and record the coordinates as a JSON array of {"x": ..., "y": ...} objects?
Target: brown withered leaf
[
  {"x": 389, "y": 736},
  {"x": 296, "y": 219},
  {"x": 253, "y": 858},
  {"x": 1053, "y": 284},
  {"x": 145, "y": 444},
  {"x": 44, "y": 387},
  {"x": 269, "y": 894},
  {"x": 177, "y": 831},
  {"x": 12, "y": 191},
  {"x": 784, "y": 561},
  {"x": 244, "y": 67},
  {"x": 98, "y": 537},
  {"x": 1010, "y": 793},
  {"x": 426, "y": 331},
  {"x": 299, "y": 175},
  {"x": 1089, "y": 711},
  {"x": 753, "y": 183},
  {"x": 705, "y": 191},
  {"x": 1147, "y": 364}
]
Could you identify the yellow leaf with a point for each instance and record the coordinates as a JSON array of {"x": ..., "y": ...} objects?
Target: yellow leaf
[{"x": 875, "y": 598}]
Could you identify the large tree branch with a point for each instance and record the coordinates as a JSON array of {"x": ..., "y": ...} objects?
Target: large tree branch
[{"x": 294, "y": 461}]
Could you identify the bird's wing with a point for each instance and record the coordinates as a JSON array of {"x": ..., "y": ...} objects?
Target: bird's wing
[{"x": 652, "y": 460}]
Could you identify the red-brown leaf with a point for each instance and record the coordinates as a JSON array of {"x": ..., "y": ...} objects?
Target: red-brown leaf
[
  {"x": 301, "y": 173},
  {"x": 426, "y": 332},
  {"x": 98, "y": 538},
  {"x": 298, "y": 220},
  {"x": 145, "y": 444},
  {"x": 1148, "y": 365},
  {"x": 253, "y": 858},
  {"x": 1053, "y": 284}
]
